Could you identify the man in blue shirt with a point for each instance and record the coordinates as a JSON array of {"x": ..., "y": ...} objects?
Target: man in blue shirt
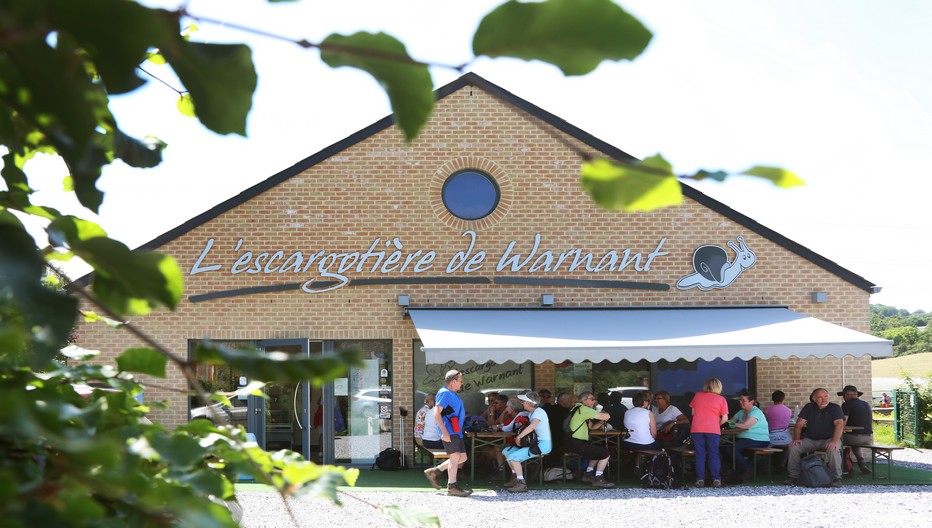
[{"x": 451, "y": 416}]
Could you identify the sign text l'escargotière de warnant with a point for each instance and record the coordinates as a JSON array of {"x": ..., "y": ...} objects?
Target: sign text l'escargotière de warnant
[{"x": 395, "y": 259}]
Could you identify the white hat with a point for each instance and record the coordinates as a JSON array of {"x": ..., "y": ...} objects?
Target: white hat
[{"x": 530, "y": 397}]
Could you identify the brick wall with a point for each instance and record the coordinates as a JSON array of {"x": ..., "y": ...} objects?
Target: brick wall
[{"x": 380, "y": 189}]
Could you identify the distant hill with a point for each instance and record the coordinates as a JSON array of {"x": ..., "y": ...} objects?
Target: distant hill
[{"x": 916, "y": 365}]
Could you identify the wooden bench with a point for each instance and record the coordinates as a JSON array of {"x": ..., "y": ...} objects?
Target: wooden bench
[
  {"x": 684, "y": 453},
  {"x": 437, "y": 456},
  {"x": 884, "y": 452},
  {"x": 765, "y": 452},
  {"x": 640, "y": 454}
]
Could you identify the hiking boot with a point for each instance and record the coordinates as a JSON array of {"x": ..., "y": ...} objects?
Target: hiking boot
[
  {"x": 455, "y": 491},
  {"x": 519, "y": 487},
  {"x": 789, "y": 482},
  {"x": 716, "y": 483},
  {"x": 602, "y": 482},
  {"x": 510, "y": 482},
  {"x": 699, "y": 484},
  {"x": 835, "y": 483},
  {"x": 496, "y": 474},
  {"x": 432, "y": 475},
  {"x": 866, "y": 470},
  {"x": 587, "y": 477}
]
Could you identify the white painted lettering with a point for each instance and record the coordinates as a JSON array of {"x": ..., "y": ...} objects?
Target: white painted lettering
[{"x": 197, "y": 264}]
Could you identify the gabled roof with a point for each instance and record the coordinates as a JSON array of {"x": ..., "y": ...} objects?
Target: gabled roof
[{"x": 471, "y": 79}]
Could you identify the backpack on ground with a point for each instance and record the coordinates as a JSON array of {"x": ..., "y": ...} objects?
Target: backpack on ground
[
  {"x": 813, "y": 472},
  {"x": 658, "y": 472},
  {"x": 556, "y": 473},
  {"x": 388, "y": 460}
]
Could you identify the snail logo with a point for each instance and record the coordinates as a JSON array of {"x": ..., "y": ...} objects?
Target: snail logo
[{"x": 713, "y": 270}]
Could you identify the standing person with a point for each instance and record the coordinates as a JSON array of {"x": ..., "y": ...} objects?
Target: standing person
[
  {"x": 579, "y": 443},
  {"x": 639, "y": 421},
  {"x": 450, "y": 415},
  {"x": 755, "y": 431},
  {"x": 778, "y": 420},
  {"x": 818, "y": 428},
  {"x": 516, "y": 455},
  {"x": 858, "y": 413},
  {"x": 672, "y": 424},
  {"x": 710, "y": 411}
]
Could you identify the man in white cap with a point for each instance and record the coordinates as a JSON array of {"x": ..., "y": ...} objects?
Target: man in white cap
[{"x": 858, "y": 413}]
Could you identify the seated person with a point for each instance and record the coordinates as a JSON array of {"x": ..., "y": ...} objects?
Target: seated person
[
  {"x": 672, "y": 424},
  {"x": 556, "y": 413},
  {"x": 492, "y": 413},
  {"x": 420, "y": 418},
  {"x": 598, "y": 455},
  {"x": 507, "y": 413},
  {"x": 818, "y": 428},
  {"x": 858, "y": 413},
  {"x": 545, "y": 397},
  {"x": 778, "y": 420},
  {"x": 617, "y": 411},
  {"x": 640, "y": 423},
  {"x": 517, "y": 421},
  {"x": 755, "y": 431},
  {"x": 516, "y": 455}
]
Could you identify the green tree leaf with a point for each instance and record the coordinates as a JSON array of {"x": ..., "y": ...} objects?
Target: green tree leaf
[
  {"x": 128, "y": 282},
  {"x": 574, "y": 35},
  {"x": 142, "y": 361},
  {"x": 116, "y": 35},
  {"x": 780, "y": 177},
  {"x": 277, "y": 366},
  {"x": 186, "y": 105},
  {"x": 408, "y": 85},
  {"x": 221, "y": 79},
  {"x": 642, "y": 186},
  {"x": 137, "y": 153},
  {"x": 412, "y": 518}
]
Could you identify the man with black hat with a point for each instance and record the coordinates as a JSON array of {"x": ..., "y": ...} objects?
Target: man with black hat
[{"x": 858, "y": 413}]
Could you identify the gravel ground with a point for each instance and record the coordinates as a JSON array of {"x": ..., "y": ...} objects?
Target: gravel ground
[{"x": 886, "y": 506}]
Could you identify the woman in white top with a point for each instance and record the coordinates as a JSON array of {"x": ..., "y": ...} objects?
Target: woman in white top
[{"x": 640, "y": 423}]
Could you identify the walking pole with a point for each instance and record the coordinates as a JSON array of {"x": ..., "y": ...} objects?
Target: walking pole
[{"x": 404, "y": 415}]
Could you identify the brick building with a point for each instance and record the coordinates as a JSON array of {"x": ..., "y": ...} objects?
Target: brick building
[{"x": 475, "y": 248}]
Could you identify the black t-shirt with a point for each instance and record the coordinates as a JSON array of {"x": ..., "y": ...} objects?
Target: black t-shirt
[
  {"x": 820, "y": 423},
  {"x": 859, "y": 414}
]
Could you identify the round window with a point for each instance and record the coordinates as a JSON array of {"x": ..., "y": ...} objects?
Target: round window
[{"x": 470, "y": 195}]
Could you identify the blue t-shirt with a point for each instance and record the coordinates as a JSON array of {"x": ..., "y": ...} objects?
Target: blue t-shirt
[
  {"x": 452, "y": 410},
  {"x": 543, "y": 428}
]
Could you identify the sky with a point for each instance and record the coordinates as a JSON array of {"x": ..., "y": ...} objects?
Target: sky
[{"x": 838, "y": 91}]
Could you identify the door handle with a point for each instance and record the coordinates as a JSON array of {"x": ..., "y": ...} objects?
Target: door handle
[
  {"x": 256, "y": 410},
  {"x": 294, "y": 406}
]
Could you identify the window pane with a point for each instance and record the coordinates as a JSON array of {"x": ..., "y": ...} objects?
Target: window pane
[{"x": 470, "y": 195}]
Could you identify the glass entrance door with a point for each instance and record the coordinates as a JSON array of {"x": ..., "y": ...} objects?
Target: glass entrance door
[{"x": 282, "y": 419}]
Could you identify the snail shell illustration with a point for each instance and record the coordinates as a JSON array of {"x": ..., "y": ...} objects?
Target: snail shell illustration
[{"x": 710, "y": 262}]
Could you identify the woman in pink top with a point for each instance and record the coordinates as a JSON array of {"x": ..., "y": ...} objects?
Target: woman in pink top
[{"x": 710, "y": 411}]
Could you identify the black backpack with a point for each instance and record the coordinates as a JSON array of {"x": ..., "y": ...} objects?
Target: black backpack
[
  {"x": 813, "y": 473},
  {"x": 567, "y": 432},
  {"x": 388, "y": 460},
  {"x": 658, "y": 472}
]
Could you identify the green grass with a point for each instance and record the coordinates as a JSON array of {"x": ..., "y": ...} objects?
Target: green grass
[{"x": 915, "y": 365}]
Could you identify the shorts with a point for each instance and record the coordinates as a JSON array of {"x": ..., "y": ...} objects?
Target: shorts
[
  {"x": 520, "y": 454},
  {"x": 432, "y": 444},
  {"x": 455, "y": 445},
  {"x": 588, "y": 450}
]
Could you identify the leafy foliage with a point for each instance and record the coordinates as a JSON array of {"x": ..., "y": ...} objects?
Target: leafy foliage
[
  {"x": 92, "y": 458},
  {"x": 908, "y": 331}
]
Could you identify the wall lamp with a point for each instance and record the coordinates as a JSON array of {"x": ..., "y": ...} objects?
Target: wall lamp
[
  {"x": 819, "y": 297},
  {"x": 546, "y": 299},
  {"x": 404, "y": 301}
]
